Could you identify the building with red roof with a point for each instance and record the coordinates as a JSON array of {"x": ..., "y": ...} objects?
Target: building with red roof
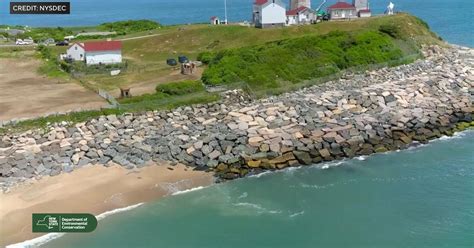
[
  {"x": 97, "y": 52},
  {"x": 300, "y": 15},
  {"x": 342, "y": 10}
]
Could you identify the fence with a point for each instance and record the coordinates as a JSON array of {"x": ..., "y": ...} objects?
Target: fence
[{"x": 104, "y": 94}]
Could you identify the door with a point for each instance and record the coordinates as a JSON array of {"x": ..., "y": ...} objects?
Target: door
[{"x": 343, "y": 14}]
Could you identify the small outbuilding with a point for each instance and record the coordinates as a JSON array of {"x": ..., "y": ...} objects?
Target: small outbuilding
[
  {"x": 364, "y": 13},
  {"x": 215, "y": 20}
]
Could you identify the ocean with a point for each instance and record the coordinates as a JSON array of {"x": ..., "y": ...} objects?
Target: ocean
[
  {"x": 451, "y": 19},
  {"x": 421, "y": 197}
]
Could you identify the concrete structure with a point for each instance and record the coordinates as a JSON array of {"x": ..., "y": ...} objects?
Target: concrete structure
[
  {"x": 269, "y": 13},
  {"x": 342, "y": 10},
  {"x": 76, "y": 52},
  {"x": 301, "y": 15},
  {"x": 103, "y": 52},
  {"x": 295, "y": 4}
]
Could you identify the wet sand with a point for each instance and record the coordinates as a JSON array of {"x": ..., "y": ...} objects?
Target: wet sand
[{"x": 93, "y": 189}]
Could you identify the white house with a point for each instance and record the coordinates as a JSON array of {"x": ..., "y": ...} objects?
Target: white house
[
  {"x": 269, "y": 13},
  {"x": 342, "y": 10},
  {"x": 103, "y": 52},
  {"x": 301, "y": 15},
  {"x": 76, "y": 52}
]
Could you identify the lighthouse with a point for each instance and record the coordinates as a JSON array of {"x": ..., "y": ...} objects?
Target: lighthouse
[{"x": 294, "y": 4}]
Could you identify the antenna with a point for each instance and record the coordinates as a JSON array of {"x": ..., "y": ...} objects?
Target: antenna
[{"x": 225, "y": 11}]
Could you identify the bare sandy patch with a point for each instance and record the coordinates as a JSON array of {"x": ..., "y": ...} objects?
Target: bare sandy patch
[{"x": 25, "y": 94}]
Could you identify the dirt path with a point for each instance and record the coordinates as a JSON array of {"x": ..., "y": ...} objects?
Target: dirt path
[
  {"x": 149, "y": 86},
  {"x": 25, "y": 94}
]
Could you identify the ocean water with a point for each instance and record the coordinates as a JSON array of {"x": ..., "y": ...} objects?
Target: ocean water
[
  {"x": 421, "y": 197},
  {"x": 451, "y": 19}
]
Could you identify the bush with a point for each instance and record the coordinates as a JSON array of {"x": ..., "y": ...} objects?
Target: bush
[
  {"x": 124, "y": 27},
  {"x": 392, "y": 30},
  {"x": 295, "y": 60},
  {"x": 205, "y": 57},
  {"x": 180, "y": 88}
]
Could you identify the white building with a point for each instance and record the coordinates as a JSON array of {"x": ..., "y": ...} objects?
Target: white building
[
  {"x": 301, "y": 15},
  {"x": 76, "y": 52},
  {"x": 269, "y": 13},
  {"x": 103, "y": 52},
  {"x": 94, "y": 53},
  {"x": 215, "y": 20},
  {"x": 342, "y": 10}
]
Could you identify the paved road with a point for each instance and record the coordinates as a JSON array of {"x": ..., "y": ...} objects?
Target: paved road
[{"x": 140, "y": 37}]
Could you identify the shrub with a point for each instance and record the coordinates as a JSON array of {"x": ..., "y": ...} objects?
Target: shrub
[
  {"x": 180, "y": 88},
  {"x": 295, "y": 60},
  {"x": 124, "y": 27},
  {"x": 205, "y": 57},
  {"x": 392, "y": 30}
]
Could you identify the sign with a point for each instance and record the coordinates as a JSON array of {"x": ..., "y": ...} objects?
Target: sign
[
  {"x": 64, "y": 223},
  {"x": 50, "y": 8}
]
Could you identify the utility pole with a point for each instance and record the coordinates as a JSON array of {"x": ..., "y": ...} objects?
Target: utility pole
[{"x": 225, "y": 11}]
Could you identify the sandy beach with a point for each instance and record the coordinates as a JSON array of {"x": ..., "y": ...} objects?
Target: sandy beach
[{"x": 92, "y": 189}]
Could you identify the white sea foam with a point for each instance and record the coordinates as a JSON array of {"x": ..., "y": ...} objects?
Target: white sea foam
[
  {"x": 361, "y": 158},
  {"x": 296, "y": 214},
  {"x": 243, "y": 195},
  {"x": 261, "y": 174},
  {"x": 52, "y": 236},
  {"x": 118, "y": 210},
  {"x": 188, "y": 190},
  {"x": 37, "y": 241},
  {"x": 258, "y": 208}
]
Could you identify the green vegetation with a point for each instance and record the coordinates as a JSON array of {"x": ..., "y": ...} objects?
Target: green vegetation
[
  {"x": 295, "y": 60},
  {"x": 41, "y": 34},
  {"x": 130, "y": 26},
  {"x": 52, "y": 67},
  {"x": 170, "y": 95},
  {"x": 180, "y": 88},
  {"x": 392, "y": 30}
]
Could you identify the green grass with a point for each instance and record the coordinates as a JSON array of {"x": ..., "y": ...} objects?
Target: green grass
[{"x": 180, "y": 88}]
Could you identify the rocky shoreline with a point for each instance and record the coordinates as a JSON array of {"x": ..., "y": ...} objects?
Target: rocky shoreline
[{"x": 359, "y": 114}]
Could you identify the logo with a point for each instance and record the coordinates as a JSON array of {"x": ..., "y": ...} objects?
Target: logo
[
  {"x": 50, "y": 8},
  {"x": 65, "y": 223}
]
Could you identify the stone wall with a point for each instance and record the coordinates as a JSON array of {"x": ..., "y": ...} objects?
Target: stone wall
[{"x": 360, "y": 114}]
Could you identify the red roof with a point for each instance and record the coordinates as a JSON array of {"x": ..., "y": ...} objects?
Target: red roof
[
  {"x": 342, "y": 5},
  {"x": 296, "y": 11},
  {"x": 260, "y": 2},
  {"x": 214, "y": 18},
  {"x": 364, "y": 11},
  {"x": 102, "y": 46}
]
